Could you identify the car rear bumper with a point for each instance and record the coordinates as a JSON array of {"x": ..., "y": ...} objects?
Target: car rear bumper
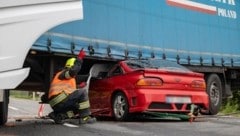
[{"x": 157, "y": 100}]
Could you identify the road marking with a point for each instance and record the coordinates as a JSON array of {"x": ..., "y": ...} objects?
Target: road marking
[
  {"x": 13, "y": 108},
  {"x": 70, "y": 125}
]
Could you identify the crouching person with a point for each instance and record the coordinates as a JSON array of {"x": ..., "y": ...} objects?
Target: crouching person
[{"x": 65, "y": 99}]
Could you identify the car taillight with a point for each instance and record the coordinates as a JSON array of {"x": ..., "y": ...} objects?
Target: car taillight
[
  {"x": 198, "y": 84},
  {"x": 149, "y": 82}
]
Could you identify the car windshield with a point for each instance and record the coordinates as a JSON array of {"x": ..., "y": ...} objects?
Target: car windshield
[{"x": 156, "y": 64}]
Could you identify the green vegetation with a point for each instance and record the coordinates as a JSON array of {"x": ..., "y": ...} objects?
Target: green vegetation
[
  {"x": 25, "y": 95},
  {"x": 231, "y": 106}
]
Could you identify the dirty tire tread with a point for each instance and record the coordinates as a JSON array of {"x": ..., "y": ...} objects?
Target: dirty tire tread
[
  {"x": 214, "y": 79},
  {"x": 4, "y": 107}
]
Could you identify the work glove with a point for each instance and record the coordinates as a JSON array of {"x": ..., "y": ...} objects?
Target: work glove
[
  {"x": 82, "y": 84},
  {"x": 81, "y": 54}
]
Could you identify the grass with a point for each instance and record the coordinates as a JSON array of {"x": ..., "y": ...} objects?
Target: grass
[
  {"x": 25, "y": 95},
  {"x": 231, "y": 106}
]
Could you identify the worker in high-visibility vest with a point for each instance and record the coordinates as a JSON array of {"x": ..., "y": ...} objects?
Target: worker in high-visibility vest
[{"x": 65, "y": 99}]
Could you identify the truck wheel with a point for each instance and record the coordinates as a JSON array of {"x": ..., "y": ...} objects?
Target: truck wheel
[
  {"x": 120, "y": 107},
  {"x": 214, "y": 90},
  {"x": 4, "y": 107}
]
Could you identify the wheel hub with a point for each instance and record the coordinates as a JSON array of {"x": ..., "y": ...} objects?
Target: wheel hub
[
  {"x": 119, "y": 106},
  {"x": 214, "y": 94}
]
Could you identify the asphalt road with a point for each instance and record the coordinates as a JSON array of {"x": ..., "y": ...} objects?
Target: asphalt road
[{"x": 23, "y": 121}]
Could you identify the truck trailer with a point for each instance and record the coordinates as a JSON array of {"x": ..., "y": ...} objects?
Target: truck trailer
[{"x": 202, "y": 35}]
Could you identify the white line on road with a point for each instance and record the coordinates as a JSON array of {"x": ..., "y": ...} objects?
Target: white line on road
[
  {"x": 13, "y": 108},
  {"x": 70, "y": 125}
]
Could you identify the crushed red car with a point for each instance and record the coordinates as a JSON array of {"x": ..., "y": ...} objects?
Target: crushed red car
[{"x": 141, "y": 86}]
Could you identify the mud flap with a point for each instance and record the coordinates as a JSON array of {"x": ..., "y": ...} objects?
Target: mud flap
[{"x": 228, "y": 92}]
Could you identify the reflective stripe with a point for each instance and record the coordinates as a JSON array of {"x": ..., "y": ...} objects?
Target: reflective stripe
[
  {"x": 84, "y": 105},
  {"x": 70, "y": 114},
  {"x": 58, "y": 99}
]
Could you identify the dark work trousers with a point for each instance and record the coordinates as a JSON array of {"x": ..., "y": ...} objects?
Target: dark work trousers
[{"x": 71, "y": 103}]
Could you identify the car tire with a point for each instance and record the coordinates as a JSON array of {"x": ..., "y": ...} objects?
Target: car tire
[
  {"x": 120, "y": 106},
  {"x": 214, "y": 90},
  {"x": 4, "y": 107}
]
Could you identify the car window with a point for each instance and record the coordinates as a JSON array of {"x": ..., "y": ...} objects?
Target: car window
[
  {"x": 115, "y": 71},
  {"x": 156, "y": 64},
  {"x": 101, "y": 70}
]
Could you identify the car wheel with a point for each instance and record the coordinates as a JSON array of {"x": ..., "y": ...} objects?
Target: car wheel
[
  {"x": 120, "y": 106},
  {"x": 4, "y": 107},
  {"x": 214, "y": 90}
]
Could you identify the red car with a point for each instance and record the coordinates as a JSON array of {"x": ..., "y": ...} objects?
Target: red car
[{"x": 141, "y": 86}]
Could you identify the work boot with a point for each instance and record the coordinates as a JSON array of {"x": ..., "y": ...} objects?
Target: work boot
[
  {"x": 87, "y": 119},
  {"x": 51, "y": 115},
  {"x": 58, "y": 118}
]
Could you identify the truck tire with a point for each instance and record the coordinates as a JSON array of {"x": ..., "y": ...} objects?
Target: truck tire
[
  {"x": 214, "y": 90},
  {"x": 4, "y": 107}
]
